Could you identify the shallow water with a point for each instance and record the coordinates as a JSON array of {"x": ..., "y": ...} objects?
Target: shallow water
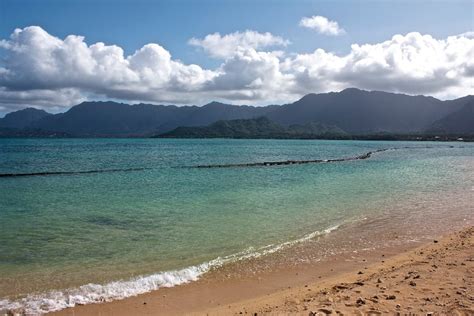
[{"x": 63, "y": 231}]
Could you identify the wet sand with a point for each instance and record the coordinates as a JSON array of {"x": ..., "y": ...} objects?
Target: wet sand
[
  {"x": 435, "y": 279},
  {"x": 421, "y": 277}
]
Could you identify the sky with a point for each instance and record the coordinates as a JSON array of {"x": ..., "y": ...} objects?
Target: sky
[{"x": 58, "y": 53}]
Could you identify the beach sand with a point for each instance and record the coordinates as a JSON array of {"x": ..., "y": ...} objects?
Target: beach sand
[{"x": 432, "y": 278}]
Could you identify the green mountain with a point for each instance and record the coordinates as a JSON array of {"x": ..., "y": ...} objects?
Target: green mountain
[
  {"x": 317, "y": 128},
  {"x": 260, "y": 127},
  {"x": 460, "y": 122}
]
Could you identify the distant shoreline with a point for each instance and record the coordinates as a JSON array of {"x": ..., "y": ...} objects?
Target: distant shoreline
[
  {"x": 419, "y": 138},
  {"x": 464, "y": 138}
]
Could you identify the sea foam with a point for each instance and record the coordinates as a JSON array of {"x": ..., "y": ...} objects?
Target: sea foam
[{"x": 37, "y": 304}]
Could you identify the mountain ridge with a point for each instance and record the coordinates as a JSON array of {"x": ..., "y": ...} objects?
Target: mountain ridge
[
  {"x": 352, "y": 110},
  {"x": 22, "y": 118},
  {"x": 458, "y": 122}
]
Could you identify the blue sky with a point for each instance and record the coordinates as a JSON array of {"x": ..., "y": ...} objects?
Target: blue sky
[
  {"x": 132, "y": 24},
  {"x": 171, "y": 24}
]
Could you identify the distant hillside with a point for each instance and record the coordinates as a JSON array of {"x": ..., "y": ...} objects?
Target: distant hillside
[
  {"x": 22, "y": 118},
  {"x": 111, "y": 119},
  {"x": 117, "y": 119},
  {"x": 260, "y": 127},
  {"x": 354, "y": 111},
  {"x": 460, "y": 122},
  {"x": 316, "y": 128},
  {"x": 358, "y": 112}
]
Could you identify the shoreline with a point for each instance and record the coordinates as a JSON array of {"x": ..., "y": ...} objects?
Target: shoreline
[
  {"x": 344, "y": 282},
  {"x": 435, "y": 278},
  {"x": 344, "y": 248}
]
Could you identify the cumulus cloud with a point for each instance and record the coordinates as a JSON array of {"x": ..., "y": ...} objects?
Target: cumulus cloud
[
  {"x": 225, "y": 46},
  {"x": 322, "y": 25},
  {"x": 54, "y": 100},
  {"x": 37, "y": 62},
  {"x": 251, "y": 75},
  {"x": 413, "y": 64},
  {"x": 39, "y": 69}
]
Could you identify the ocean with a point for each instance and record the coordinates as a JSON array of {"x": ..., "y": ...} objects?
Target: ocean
[{"x": 90, "y": 220}]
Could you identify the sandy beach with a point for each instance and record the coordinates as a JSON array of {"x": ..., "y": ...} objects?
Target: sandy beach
[{"x": 432, "y": 278}]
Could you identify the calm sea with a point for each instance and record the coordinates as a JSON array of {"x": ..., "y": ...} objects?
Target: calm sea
[{"x": 150, "y": 220}]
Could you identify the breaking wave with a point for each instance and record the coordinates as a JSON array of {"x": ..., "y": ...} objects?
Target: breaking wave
[{"x": 36, "y": 304}]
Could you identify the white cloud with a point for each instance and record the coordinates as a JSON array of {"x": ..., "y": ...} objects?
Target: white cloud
[
  {"x": 37, "y": 61},
  {"x": 53, "y": 100},
  {"x": 225, "y": 46},
  {"x": 251, "y": 75},
  {"x": 322, "y": 25},
  {"x": 45, "y": 71}
]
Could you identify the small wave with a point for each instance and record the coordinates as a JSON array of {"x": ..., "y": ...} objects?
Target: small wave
[{"x": 37, "y": 304}]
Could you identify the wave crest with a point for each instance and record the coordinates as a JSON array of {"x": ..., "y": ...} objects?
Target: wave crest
[{"x": 36, "y": 304}]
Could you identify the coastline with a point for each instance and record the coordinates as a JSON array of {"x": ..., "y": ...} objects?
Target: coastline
[{"x": 345, "y": 282}]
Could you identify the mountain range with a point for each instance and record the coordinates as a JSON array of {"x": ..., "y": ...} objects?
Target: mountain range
[{"x": 351, "y": 111}]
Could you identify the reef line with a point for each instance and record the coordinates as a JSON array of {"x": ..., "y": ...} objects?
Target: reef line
[
  {"x": 53, "y": 173},
  {"x": 292, "y": 162}
]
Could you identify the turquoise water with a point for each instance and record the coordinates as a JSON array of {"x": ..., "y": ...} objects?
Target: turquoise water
[{"x": 168, "y": 223}]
